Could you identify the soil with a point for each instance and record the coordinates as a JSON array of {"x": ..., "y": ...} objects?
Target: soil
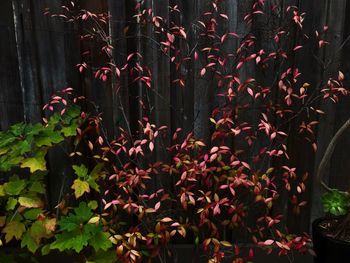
[{"x": 330, "y": 227}]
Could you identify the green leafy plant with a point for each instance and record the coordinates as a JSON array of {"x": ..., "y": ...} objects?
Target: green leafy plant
[
  {"x": 336, "y": 203},
  {"x": 80, "y": 229},
  {"x": 26, "y": 216}
]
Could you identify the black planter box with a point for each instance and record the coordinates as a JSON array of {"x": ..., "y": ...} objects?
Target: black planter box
[{"x": 328, "y": 249}]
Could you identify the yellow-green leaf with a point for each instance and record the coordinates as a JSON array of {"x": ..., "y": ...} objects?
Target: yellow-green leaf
[
  {"x": 30, "y": 202},
  {"x": 2, "y": 191},
  {"x": 35, "y": 163},
  {"x": 80, "y": 187},
  {"x": 13, "y": 229},
  {"x": 94, "y": 220},
  {"x": 226, "y": 243}
]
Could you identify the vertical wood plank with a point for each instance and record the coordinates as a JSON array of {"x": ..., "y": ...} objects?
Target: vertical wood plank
[{"x": 11, "y": 104}]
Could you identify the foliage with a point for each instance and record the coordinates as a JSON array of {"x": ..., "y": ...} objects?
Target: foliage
[
  {"x": 114, "y": 209},
  {"x": 79, "y": 230},
  {"x": 336, "y": 203}
]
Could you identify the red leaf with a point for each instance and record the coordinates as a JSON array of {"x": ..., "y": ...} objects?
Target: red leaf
[
  {"x": 170, "y": 37},
  {"x": 269, "y": 242},
  {"x": 157, "y": 206},
  {"x": 224, "y": 16},
  {"x": 151, "y": 146},
  {"x": 203, "y": 71}
]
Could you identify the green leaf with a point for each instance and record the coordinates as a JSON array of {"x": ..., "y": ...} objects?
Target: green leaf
[
  {"x": 69, "y": 223},
  {"x": 32, "y": 214},
  {"x": 14, "y": 187},
  {"x": 93, "y": 184},
  {"x": 54, "y": 119},
  {"x": 71, "y": 113},
  {"x": 30, "y": 201},
  {"x": 48, "y": 137},
  {"x": 23, "y": 146},
  {"x": 2, "y": 191},
  {"x": 17, "y": 129},
  {"x": 33, "y": 129},
  {"x": 83, "y": 212},
  {"x": 81, "y": 170},
  {"x": 80, "y": 187},
  {"x": 7, "y": 162},
  {"x": 29, "y": 242},
  {"x": 93, "y": 204},
  {"x": 37, "y": 187},
  {"x": 13, "y": 229},
  {"x": 11, "y": 203},
  {"x": 38, "y": 231},
  {"x": 45, "y": 250},
  {"x": 35, "y": 163},
  {"x": 96, "y": 172},
  {"x": 6, "y": 139},
  {"x": 72, "y": 222},
  {"x": 100, "y": 241},
  {"x": 70, "y": 130},
  {"x": 74, "y": 240}
]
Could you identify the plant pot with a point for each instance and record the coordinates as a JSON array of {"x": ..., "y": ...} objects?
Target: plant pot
[{"x": 328, "y": 249}]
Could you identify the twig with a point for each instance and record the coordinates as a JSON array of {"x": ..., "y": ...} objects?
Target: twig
[{"x": 328, "y": 154}]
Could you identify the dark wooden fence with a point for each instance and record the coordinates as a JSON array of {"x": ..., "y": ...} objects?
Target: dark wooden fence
[{"x": 38, "y": 55}]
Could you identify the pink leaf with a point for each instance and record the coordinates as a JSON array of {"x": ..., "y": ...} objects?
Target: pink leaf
[
  {"x": 151, "y": 146},
  {"x": 203, "y": 71}
]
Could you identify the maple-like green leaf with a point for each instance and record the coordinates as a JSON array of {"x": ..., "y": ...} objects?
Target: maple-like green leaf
[
  {"x": 83, "y": 212},
  {"x": 6, "y": 139},
  {"x": 13, "y": 229},
  {"x": 37, "y": 187},
  {"x": 80, "y": 170},
  {"x": 54, "y": 119},
  {"x": 81, "y": 215},
  {"x": 32, "y": 214},
  {"x": 73, "y": 112},
  {"x": 30, "y": 201},
  {"x": 15, "y": 186},
  {"x": 29, "y": 242},
  {"x": 39, "y": 230},
  {"x": 70, "y": 130},
  {"x": 22, "y": 147},
  {"x": 69, "y": 223},
  {"x": 100, "y": 241},
  {"x": 48, "y": 137},
  {"x": 35, "y": 163},
  {"x": 93, "y": 184},
  {"x": 7, "y": 162},
  {"x": 33, "y": 129},
  {"x": 74, "y": 240},
  {"x": 17, "y": 129},
  {"x": 80, "y": 187}
]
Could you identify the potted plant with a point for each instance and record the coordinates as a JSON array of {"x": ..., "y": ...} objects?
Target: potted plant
[{"x": 331, "y": 233}]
